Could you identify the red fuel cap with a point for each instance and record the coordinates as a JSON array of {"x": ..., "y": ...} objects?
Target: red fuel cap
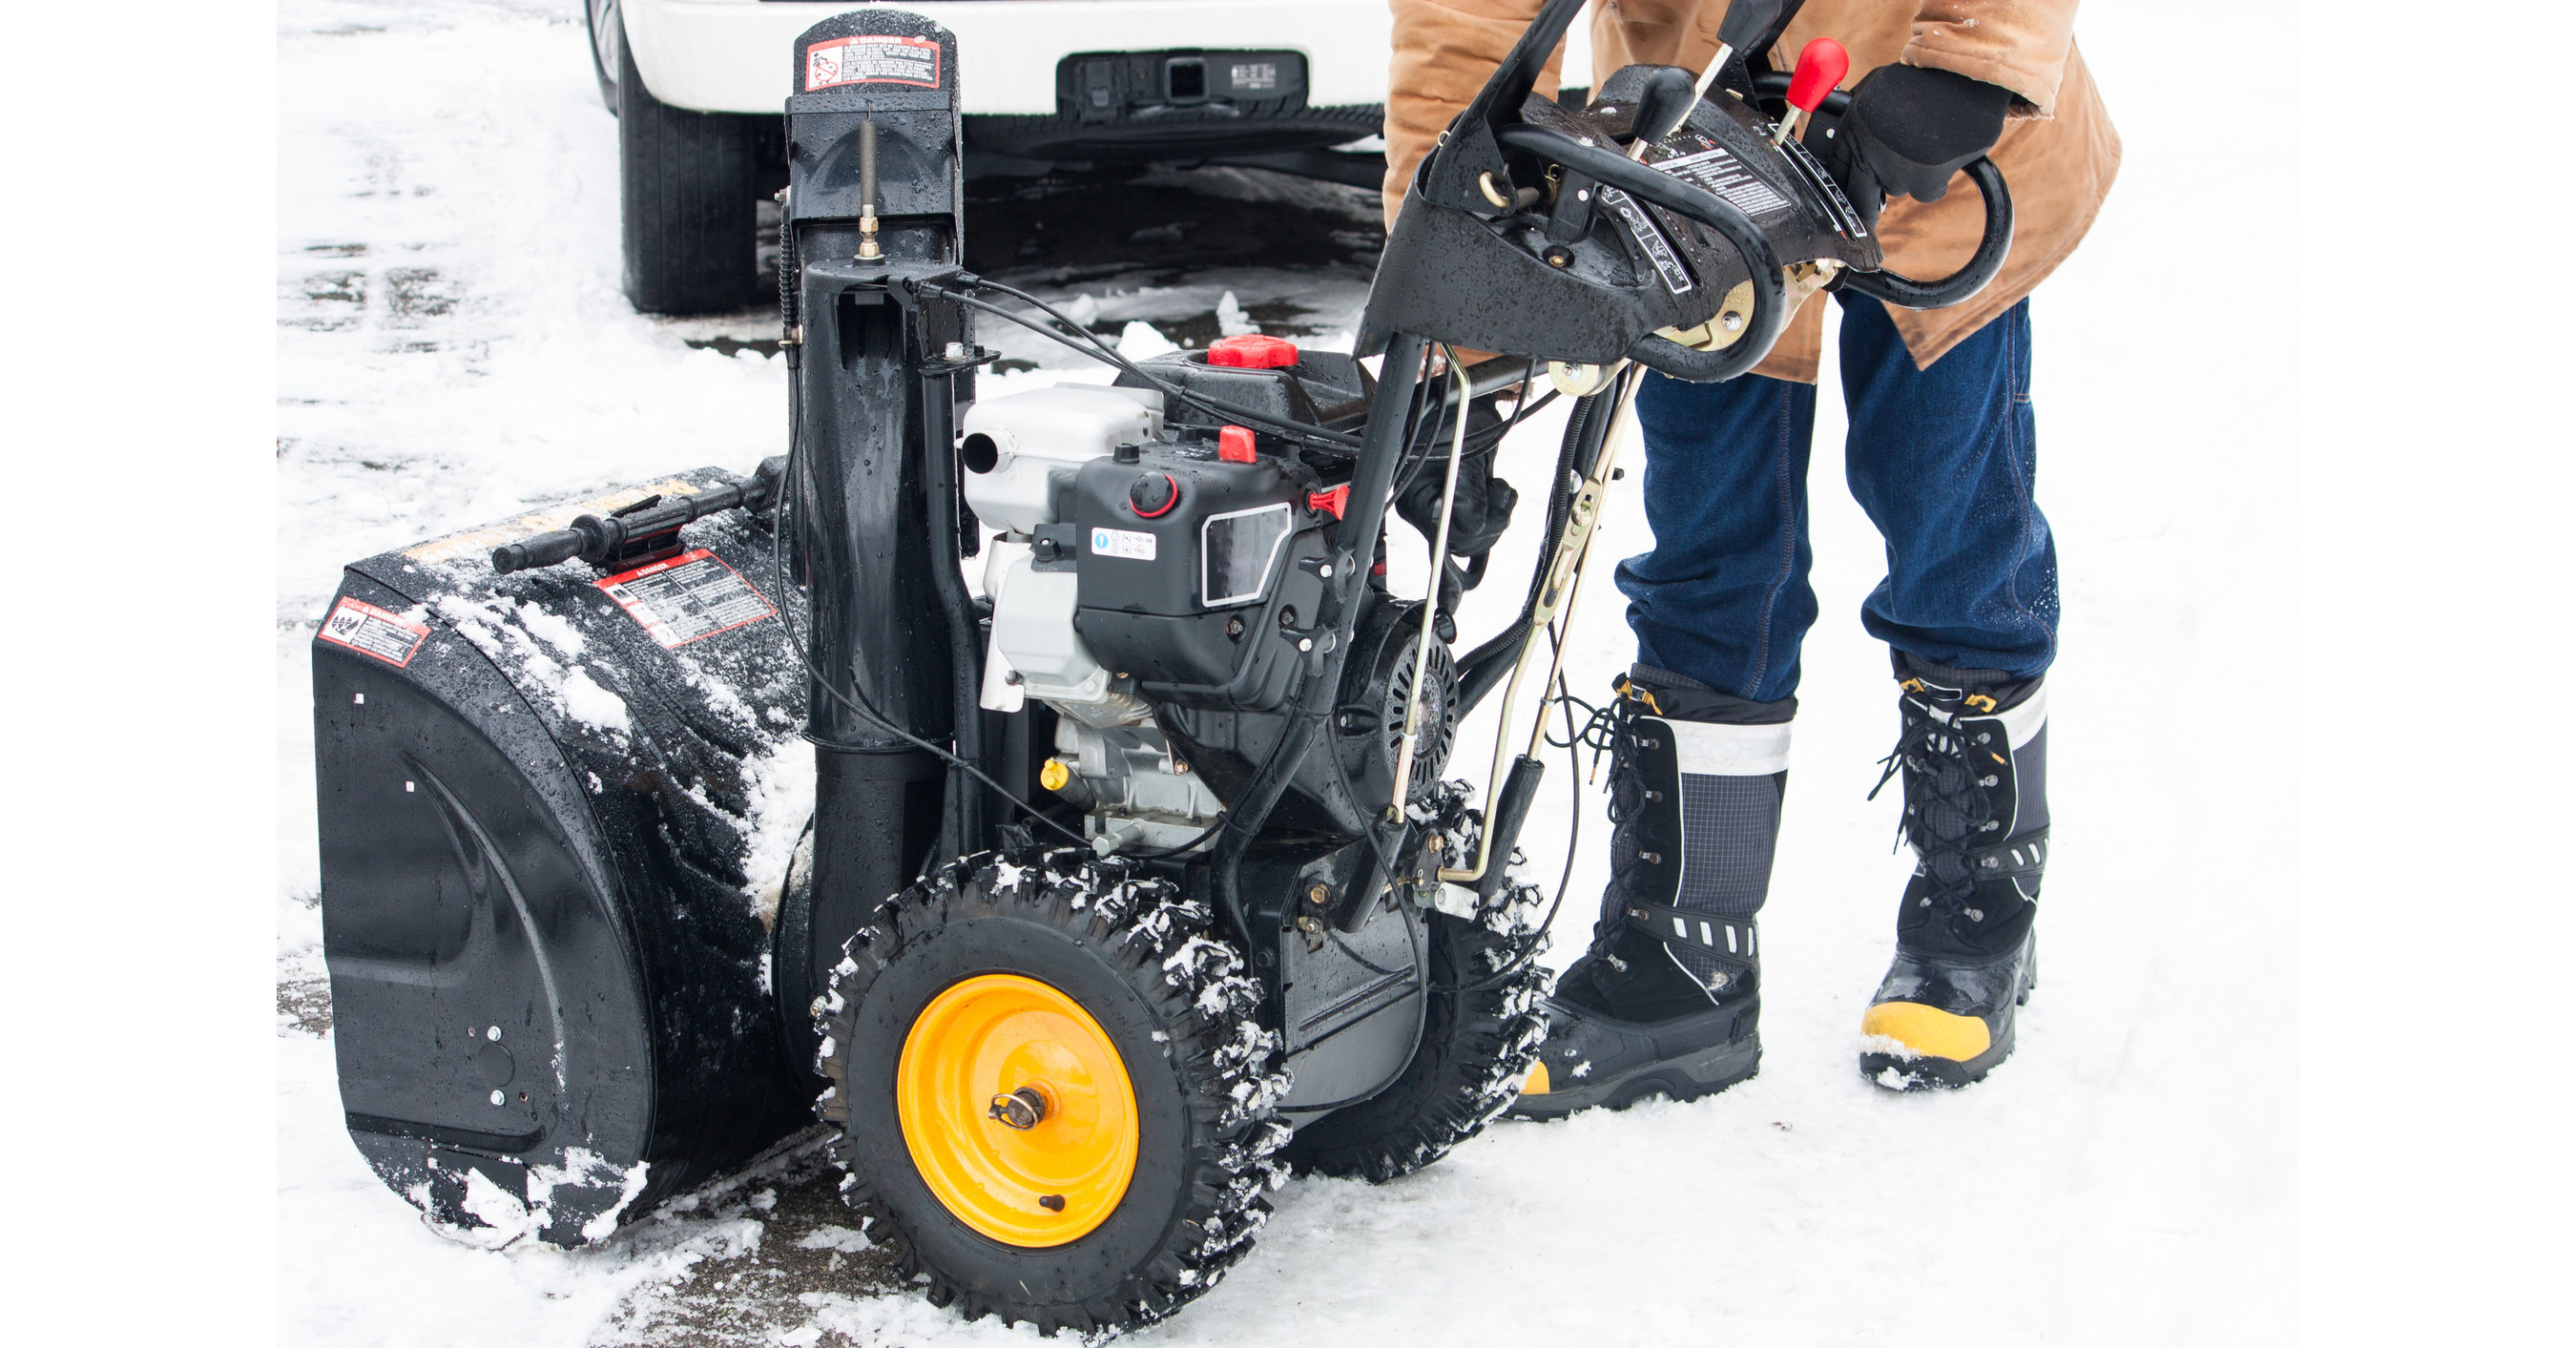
[{"x": 1252, "y": 351}]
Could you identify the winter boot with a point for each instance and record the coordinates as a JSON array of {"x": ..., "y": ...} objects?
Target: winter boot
[
  {"x": 1974, "y": 756},
  {"x": 1667, "y": 998}
]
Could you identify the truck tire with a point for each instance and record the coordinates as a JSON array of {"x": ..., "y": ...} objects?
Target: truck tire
[
  {"x": 688, "y": 186},
  {"x": 607, "y": 44},
  {"x": 1133, "y": 1175}
]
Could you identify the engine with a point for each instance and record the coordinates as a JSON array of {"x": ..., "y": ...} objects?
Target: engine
[{"x": 1156, "y": 585}]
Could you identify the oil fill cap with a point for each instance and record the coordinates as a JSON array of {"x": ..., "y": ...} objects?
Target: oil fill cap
[
  {"x": 1153, "y": 495},
  {"x": 1252, "y": 351}
]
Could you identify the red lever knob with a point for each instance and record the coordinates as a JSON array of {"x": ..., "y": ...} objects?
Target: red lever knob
[{"x": 1821, "y": 66}]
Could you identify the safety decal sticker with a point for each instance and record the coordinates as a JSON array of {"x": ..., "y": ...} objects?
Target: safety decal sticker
[
  {"x": 369, "y": 630},
  {"x": 1716, "y": 171},
  {"x": 872, "y": 58},
  {"x": 687, "y": 598},
  {"x": 1131, "y": 543},
  {"x": 1650, "y": 240}
]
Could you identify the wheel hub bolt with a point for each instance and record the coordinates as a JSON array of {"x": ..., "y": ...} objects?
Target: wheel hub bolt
[{"x": 1021, "y": 1109}]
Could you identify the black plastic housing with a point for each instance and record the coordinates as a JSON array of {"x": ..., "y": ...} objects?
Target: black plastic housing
[
  {"x": 866, "y": 494},
  {"x": 545, "y": 965},
  {"x": 1152, "y": 618},
  {"x": 1625, "y": 269},
  {"x": 1324, "y": 388}
]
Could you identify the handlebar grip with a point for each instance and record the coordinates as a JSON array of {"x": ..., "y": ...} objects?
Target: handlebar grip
[
  {"x": 1992, "y": 247},
  {"x": 1504, "y": 818},
  {"x": 541, "y": 550}
]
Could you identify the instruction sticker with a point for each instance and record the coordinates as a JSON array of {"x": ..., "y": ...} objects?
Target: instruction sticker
[
  {"x": 1716, "y": 171},
  {"x": 872, "y": 58},
  {"x": 369, "y": 630},
  {"x": 1650, "y": 240},
  {"x": 687, "y": 598},
  {"x": 1129, "y": 543}
]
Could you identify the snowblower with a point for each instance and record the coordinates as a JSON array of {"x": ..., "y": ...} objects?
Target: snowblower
[{"x": 1132, "y": 881}]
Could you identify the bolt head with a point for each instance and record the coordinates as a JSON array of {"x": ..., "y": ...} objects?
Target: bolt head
[{"x": 1020, "y": 1110}]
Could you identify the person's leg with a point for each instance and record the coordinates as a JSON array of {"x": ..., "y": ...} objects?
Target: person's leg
[
  {"x": 1722, "y": 599},
  {"x": 1666, "y": 1000},
  {"x": 1943, "y": 460}
]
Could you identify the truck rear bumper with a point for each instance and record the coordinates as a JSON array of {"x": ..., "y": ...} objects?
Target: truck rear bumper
[{"x": 738, "y": 55}]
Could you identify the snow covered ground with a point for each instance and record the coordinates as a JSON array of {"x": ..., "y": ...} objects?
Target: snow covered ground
[{"x": 452, "y": 349}]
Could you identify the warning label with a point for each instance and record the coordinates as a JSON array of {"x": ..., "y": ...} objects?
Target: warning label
[
  {"x": 1717, "y": 171},
  {"x": 1130, "y": 543},
  {"x": 682, "y": 599},
  {"x": 369, "y": 630},
  {"x": 872, "y": 59}
]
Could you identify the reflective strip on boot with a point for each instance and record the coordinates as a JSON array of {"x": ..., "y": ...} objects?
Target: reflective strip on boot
[{"x": 1733, "y": 779}]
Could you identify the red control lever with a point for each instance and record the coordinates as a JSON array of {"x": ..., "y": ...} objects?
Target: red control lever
[{"x": 1821, "y": 66}]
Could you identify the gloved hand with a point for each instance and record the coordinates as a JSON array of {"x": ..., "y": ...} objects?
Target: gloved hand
[
  {"x": 1909, "y": 130},
  {"x": 1484, "y": 510}
]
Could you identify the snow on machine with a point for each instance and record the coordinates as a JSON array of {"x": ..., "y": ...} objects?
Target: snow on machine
[{"x": 1131, "y": 883}]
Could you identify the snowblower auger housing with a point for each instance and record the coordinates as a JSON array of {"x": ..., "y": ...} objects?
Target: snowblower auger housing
[
  {"x": 540, "y": 797},
  {"x": 1133, "y": 878}
]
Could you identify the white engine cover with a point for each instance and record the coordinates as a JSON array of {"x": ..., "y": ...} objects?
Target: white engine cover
[
  {"x": 1033, "y": 635},
  {"x": 1043, "y": 436}
]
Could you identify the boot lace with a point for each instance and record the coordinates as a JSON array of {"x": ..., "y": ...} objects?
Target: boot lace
[
  {"x": 1949, "y": 817},
  {"x": 1611, "y": 730}
]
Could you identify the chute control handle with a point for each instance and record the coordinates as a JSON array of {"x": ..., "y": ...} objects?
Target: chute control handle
[
  {"x": 629, "y": 532},
  {"x": 1821, "y": 67}
]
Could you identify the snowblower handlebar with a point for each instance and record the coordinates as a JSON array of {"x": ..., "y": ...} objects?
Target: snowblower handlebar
[
  {"x": 623, "y": 534},
  {"x": 1994, "y": 241}
]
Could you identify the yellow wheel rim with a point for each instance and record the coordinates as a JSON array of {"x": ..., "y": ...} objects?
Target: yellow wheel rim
[{"x": 970, "y": 1051}]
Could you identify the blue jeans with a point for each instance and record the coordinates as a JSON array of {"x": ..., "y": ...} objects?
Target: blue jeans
[{"x": 1941, "y": 459}]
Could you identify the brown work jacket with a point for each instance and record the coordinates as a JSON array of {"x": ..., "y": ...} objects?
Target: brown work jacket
[{"x": 2058, "y": 152}]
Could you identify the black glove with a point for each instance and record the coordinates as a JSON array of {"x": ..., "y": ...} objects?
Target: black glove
[
  {"x": 1909, "y": 130},
  {"x": 1484, "y": 504}
]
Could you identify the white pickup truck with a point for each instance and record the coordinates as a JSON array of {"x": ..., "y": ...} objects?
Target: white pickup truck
[{"x": 698, "y": 87}]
